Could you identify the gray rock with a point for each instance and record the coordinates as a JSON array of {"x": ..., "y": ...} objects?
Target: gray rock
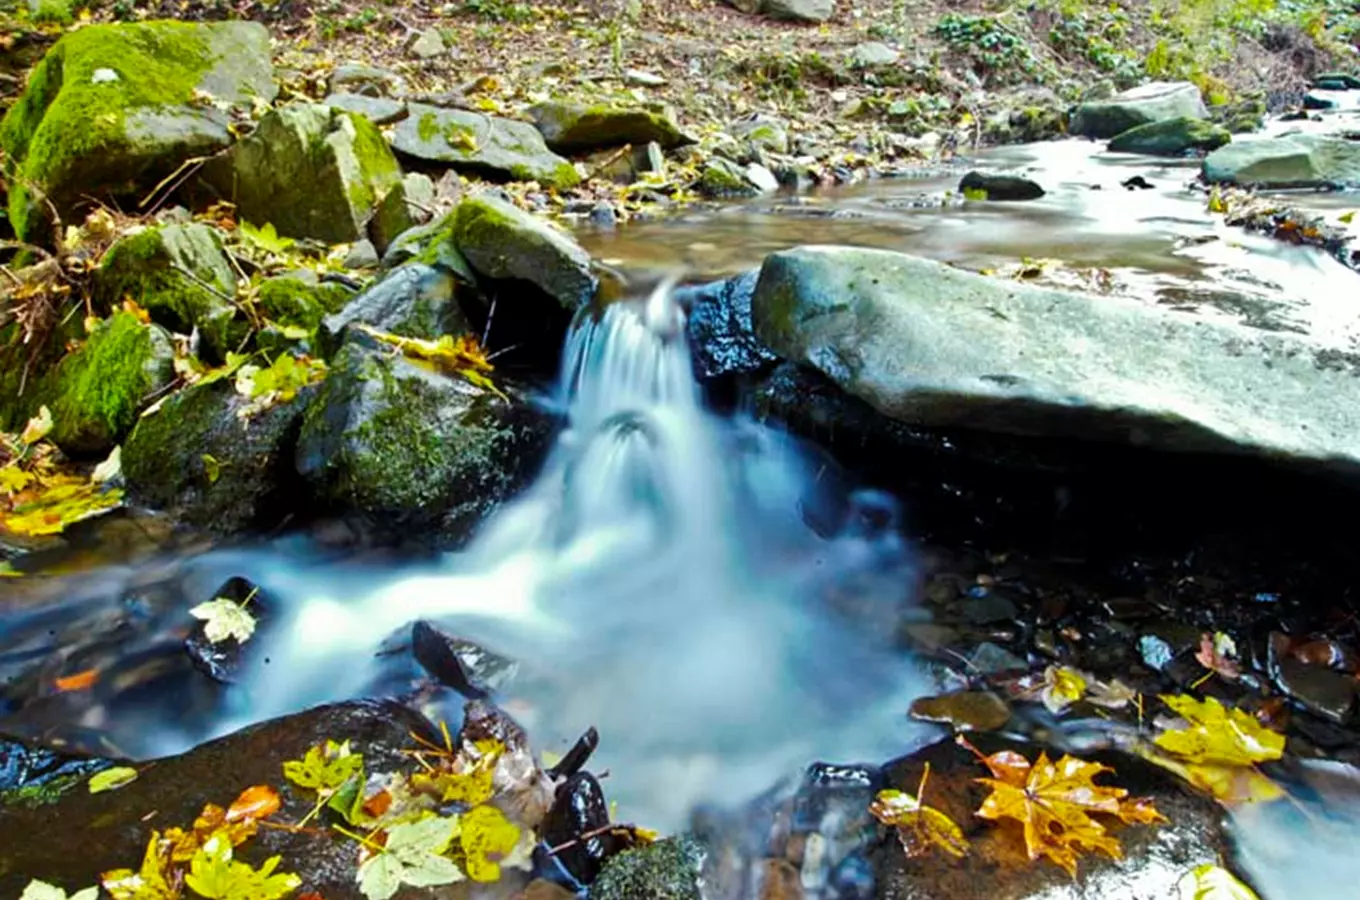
[
  {"x": 401, "y": 446},
  {"x": 762, "y": 133},
  {"x": 362, "y": 255},
  {"x": 991, "y": 659},
  {"x": 311, "y": 170},
  {"x": 413, "y": 300},
  {"x": 476, "y": 143},
  {"x": 929, "y": 345},
  {"x": 602, "y": 215},
  {"x": 427, "y": 44},
  {"x": 501, "y": 241},
  {"x": 762, "y": 178},
  {"x": 149, "y": 124},
  {"x": 1295, "y": 160},
  {"x": 649, "y": 158},
  {"x": 724, "y": 178},
  {"x": 371, "y": 81},
  {"x": 1171, "y": 137},
  {"x": 645, "y": 79},
  {"x": 799, "y": 10},
  {"x": 1150, "y": 102},
  {"x": 181, "y": 275},
  {"x": 407, "y": 205},
  {"x": 719, "y": 327},
  {"x": 666, "y": 870},
  {"x": 1001, "y": 187},
  {"x": 873, "y": 53},
  {"x": 575, "y": 127},
  {"x": 378, "y": 110}
]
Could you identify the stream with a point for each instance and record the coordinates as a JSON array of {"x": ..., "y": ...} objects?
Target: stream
[{"x": 666, "y": 576}]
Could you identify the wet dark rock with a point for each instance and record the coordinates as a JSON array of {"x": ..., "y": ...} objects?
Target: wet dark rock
[
  {"x": 1316, "y": 101},
  {"x": 931, "y": 637},
  {"x": 719, "y": 327},
  {"x": 200, "y": 459},
  {"x": 1132, "y": 608},
  {"x": 413, "y": 300},
  {"x": 989, "y": 659},
  {"x": 1001, "y": 187},
  {"x": 579, "y": 809},
  {"x": 1136, "y": 183},
  {"x": 220, "y": 661},
  {"x": 666, "y": 870},
  {"x": 1336, "y": 81},
  {"x": 997, "y": 866},
  {"x": 402, "y": 447},
  {"x": 33, "y": 777},
  {"x": 987, "y": 607},
  {"x": 468, "y": 668},
  {"x": 963, "y": 710},
  {"x": 1318, "y": 689},
  {"x": 109, "y": 830}
]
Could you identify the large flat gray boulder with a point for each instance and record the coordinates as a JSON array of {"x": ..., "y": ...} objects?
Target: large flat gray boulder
[
  {"x": 1296, "y": 160},
  {"x": 472, "y": 142},
  {"x": 1155, "y": 101},
  {"x": 926, "y": 344}
]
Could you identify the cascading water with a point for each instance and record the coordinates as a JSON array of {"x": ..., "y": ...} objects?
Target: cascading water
[{"x": 657, "y": 581}]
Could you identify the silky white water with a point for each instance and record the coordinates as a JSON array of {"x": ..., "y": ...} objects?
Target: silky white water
[{"x": 657, "y": 581}]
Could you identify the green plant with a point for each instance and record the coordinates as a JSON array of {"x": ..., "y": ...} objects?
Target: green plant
[
  {"x": 500, "y": 10},
  {"x": 995, "y": 49}
]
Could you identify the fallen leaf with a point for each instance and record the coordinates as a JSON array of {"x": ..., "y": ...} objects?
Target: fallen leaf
[
  {"x": 112, "y": 779},
  {"x": 488, "y": 838},
  {"x": 412, "y": 855},
  {"x": 1218, "y": 735},
  {"x": 41, "y": 890},
  {"x": 37, "y": 427},
  {"x": 1114, "y": 694},
  {"x": 1229, "y": 785},
  {"x": 215, "y": 875},
  {"x": 920, "y": 828},
  {"x": 1218, "y": 652},
  {"x": 1210, "y": 882},
  {"x": 224, "y": 618},
  {"x": 147, "y": 883},
  {"x": 324, "y": 768},
  {"x": 80, "y": 681},
  {"x": 258, "y": 802},
  {"x": 1062, "y": 687}
]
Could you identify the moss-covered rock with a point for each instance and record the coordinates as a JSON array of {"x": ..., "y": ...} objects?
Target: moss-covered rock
[
  {"x": 113, "y": 109},
  {"x": 573, "y": 127},
  {"x": 181, "y": 275},
  {"x": 665, "y": 870},
  {"x": 97, "y": 391},
  {"x": 1152, "y": 102},
  {"x": 472, "y": 142},
  {"x": 200, "y": 460},
  {"x": 723, "y": 178},
  {"x": 300, "y": 299},
  {"x": 414, "y": 300},
  {"x": 1171, "y": 137},
  {"x": 311, "y": 170},
  {"x": 502, "y": 241},
  {"x": 402, "y": 447},
  {"x": 401, "y": 209},
  {"x": 762, "y": 133}
]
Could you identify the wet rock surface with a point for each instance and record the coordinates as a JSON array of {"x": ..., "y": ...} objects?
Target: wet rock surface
[
  {"x": 1001, "y": 187},
  {"x": 720, "y": 330},
  {"x": 1296, "y": 160},
  {"x": 502, "y": 242},
  {"x": 1171, "y": 137}
]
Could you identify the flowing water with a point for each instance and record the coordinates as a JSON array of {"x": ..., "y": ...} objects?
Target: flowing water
[{"x": 659, "y": 579}]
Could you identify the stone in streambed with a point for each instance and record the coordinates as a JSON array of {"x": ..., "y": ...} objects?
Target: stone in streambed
[
  {"x": 502, "y": 242},
  {"x": 1171, "y": 137},
  {"x": 963, "y": 710},
  {"x": 1152, "y": 102},
  {"x": 300, "y": 299},
  {"x": 1288, "y": 161},
  {"x": 414, "y": 300},
  {"x": 718, "y": 323},
  {"x": 1000, "y": 187},
  {"x": 480, "y": 144}
]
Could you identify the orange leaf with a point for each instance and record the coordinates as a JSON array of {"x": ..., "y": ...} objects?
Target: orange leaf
[
  {"x": 258, "y": 802},
  {"x": 80, "y": 681},
  {"x": 378, "y": 804}
]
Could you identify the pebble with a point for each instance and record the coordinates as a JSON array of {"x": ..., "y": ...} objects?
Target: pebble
[
  {"x": 989, "y": 659},
  {"x": 987, "y": 608},
  {"x": 963, "y": 710}
]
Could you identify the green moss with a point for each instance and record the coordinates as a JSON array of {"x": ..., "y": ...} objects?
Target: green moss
[
  {"x": 723, "y": 181},
  {"x": 293, "y": 300},
  {"x": 428, "y": 127},
  {"x": 32, "y": 796},
  {"x": 65, "y": 118},
  {"x": 378, "y": 168},
  {"x": 53, "y": 11}
]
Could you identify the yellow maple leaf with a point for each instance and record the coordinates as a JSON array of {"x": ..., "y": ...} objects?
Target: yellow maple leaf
[
  {"x": 1217, "y": 735},
  {"x": 920, "y": 828},
  {"x": 1062, "y": 687},
  {"x": 150, "y": 882},
  {"x": 1054, "y": 802},
  {"x": 61, "y": 500}
]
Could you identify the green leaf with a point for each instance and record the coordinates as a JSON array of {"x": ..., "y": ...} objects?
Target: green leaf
[
  {"x": 112, "y": 779},
  {"x": 211, "y": 467},
  {"x": 41, "y": 890},
  {"x": 266, "y": 238},
  {"x": 324, "y": 768},
  {"x": 214, "y": 875},
  {"x": 224, "y": 618},
  {"x": 413, "y": 855},
  {"x": 380, "y": 876}
]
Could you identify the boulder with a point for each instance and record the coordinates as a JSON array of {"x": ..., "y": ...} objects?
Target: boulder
[
  {"x": 96, "y": 392},
  {"x": 1289, "y": 161},
  {"x": 301, "y": 300},
  {"x": 413, "y": 300},
  {"x": 1152, "y": 102},
  {"x": 718, "y": 324},
  {"x": 113, "y": 109},
  {"x": 378, "y": 110},
  {"x": 1336, "y": 81},
  {"x": 400, "y": 446},
  {"x": 929, "y": 345},
  {"x": 201, "y": 459},
  {"x": 1171, "y": 137},
  {"x": 1000, "y": 187},
  {"x": 311, "y": 170},
  {"x": 407, "y": 205},
  {"x": 873, "y": 53},
  {"x": 179, "y": 274},
  {"x": 574, "y": 127},
  {"x": 762, "y": 133},
  {"x": 789, "y": 10},
  {"x": 501, "y": 241},
  {"x": 481, "y": 144},
  {"x": 722, "y": 178}
]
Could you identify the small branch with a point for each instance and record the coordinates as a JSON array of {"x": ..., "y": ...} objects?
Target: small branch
[{"x": 23, "y": 245}]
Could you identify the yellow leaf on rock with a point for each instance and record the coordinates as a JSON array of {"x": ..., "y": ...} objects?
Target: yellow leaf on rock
[
  {"x": 147, "y": 883},
  {"x": 920, "y": 828},
  {"x": 1210, "y": 882},
  {"x": 1062, "y": 687},
  {"x": 59, "y": 501},
  {"x": 487, "y": 838},
  {"x": 1217, "y": 735}
]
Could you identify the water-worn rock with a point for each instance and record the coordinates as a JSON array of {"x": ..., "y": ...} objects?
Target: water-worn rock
[
  {"x": 311, "y": 170},
  {"x": 400, "y": 446},
  {"x": 96, "y": 392},
  {"x": 763, "y": 133},
  {"x": 181, "y": 275},
  {"x": 1153, "y": 102},
  {"x": 502, "y": 241},
  {"x": 1001, "y": 187},
  {"x": 198, "y": 459},
  {"x": 110, "y": 111},
  {"x": 724, "y": 178},
  {"x": 666, "y": 870},
  {"x": 719, "y": 327},
  {"x": 109, "y": 830},
  {"x": 413, "y": 300},
  {"x": 481, "y": 144},
  {"x": 930, "y": 345},
  {"x": 1171, "y": 137},
  {"x": 1296, "y": 160},
  {"x": 378, "y": 110},
  {"x": 574, "y": 127},
  {"x": 963, "y": 710}
]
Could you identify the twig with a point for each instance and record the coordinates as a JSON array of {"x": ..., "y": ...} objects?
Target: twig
[
  {"x": 201, "y": 283},
  {"x": 192, "y": 164},
  {"x": 24, "y": 245},
  {"x": 491, "y": 314}
]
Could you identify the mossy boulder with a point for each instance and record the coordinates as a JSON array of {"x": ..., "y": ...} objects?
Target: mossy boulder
[
  {"x": 199, "y": 459},
  {"x": 181, "y": 275},
  {"x": 722, "y": 178},
  {"x": 1171, "y": 137},
  {"x": 414, "y": 300},
  {"x": 762, "y": 133},
  {"x": 311, "y": 170},
  {"x": 1152, "y": 102},
  {"x": 502, "y": 241},
  {"x": 666, "y": 870},
  {"x": 573, "y": 127},
  {"x": 300, "y": 299},
  {"x": 113, "y": 109},
  {"x": 472, "y": 142},
  {"x": 405, "y": 206},
  {"x": 96, "y": 392},
  {"x": 400, "y": 446}
]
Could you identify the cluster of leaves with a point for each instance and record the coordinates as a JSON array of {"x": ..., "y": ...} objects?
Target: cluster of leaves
[
  {"x": 1101, "y": 37},
  {"x": 997, "y": 50},
  {"x": 462, "y": 356},
  {"x": 40, "y": 494}
]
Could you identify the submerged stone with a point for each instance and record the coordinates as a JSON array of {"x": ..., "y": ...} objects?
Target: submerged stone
[
  {"x": 1152, "y": 102},
  {"x": 502, "y": 241},
  {"x": 113, "y": 109},
  {"x": 181, "y": 275},
  {"x": 572, "y": 127},
  {"x": 312, "y": 171},
  {"x": 1289, "y": 161},
  {"x": 1171, "y": 137},
  {"x": 482, "y": 144}
]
